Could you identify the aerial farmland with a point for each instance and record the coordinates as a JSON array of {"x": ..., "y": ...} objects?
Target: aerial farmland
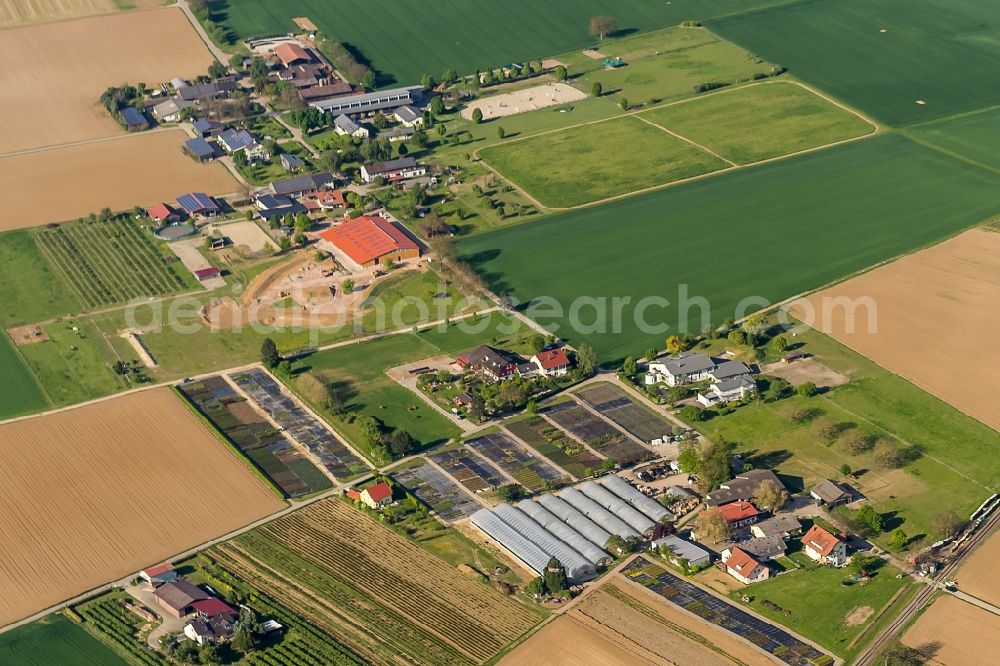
[{"x": 498, "y": 332}]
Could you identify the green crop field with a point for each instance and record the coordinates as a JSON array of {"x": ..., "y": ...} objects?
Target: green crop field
[
  {"x": 55, "y": 641},
  {"x": 973, "y": 137},
  {"x": 403, "y": 40},
  {"x": 771, "y": 231},
  {"x": 760, "y": 121},
  {"x": 941, "y": 53},
  {"x": 32, "y": 290},
  {"x": 19, "y": 392},
  {"x": 583, "y": 164}
]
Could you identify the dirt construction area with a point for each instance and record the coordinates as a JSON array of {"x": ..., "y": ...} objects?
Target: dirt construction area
[
  {"x": 806, "y": 370},
  {"x": 956, "y": 633},
  {"x": 53, "y": 75},
  {"x": 935, "y": 306},
  {"x": 95, "y": 493},
  {"x": 520, "y": 101},
  {"x": 119, "y": 173},
  {"x": 978, "y": 575}
]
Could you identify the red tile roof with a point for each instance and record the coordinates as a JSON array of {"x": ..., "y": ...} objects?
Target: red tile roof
[
  {"x": 353, "y": 494},
  {"x": 554, "y": 358},
  {"x": 213, "y": 606},
  {"x": 365, "y": 239},
  {"x": 158, "y": 569},
  {"x": 380, "y": 491},
  {"x": 160, "y": 211},
  {"x": 289, "y": 53},
  {"x": 741, "y": 562},
  {"x": 820, "y": 540},
  {"x": 736, "y": 511},
  {"x": 203, "y": 273}
]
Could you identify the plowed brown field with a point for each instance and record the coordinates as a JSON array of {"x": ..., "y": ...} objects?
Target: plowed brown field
[
  {"x": 94, "y": 493},
  {"x": 119, "y": 173},
  {"x": 53, "y": 75},
  {"x": 23, "y": 12},
  {"x": 961, "y": 634},
  {"x": 978, "y": 575},
  {"x": 936, "y": 321}
]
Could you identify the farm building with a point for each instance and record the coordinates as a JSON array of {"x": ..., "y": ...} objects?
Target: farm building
[
  {"x": 133, "y": 119},
  {"x": 366, "y": 241},
  {"x": 291, "y": 163},
  {"x": 681, "y": 550},
  {"x": 829, "y": 493},
  {"x": 169, "y": 111},
  {"x": 206, "y": 128},
  {"x": 742, "y": 487},
  {"x": 764, "y": 548},
  {"x": 650, "y": 507},
  {"x": 290, "y": 53},
  {"x": 408, "y": 116},
  {"x": 604, "y": 518},
  {"x": 395, "y": 134},
  {"x": 616, "y": 505},
  {"x": 492, "y": 364},
  {"x": 161, "y": 213},
  {"x": 269, "y": 206},
  {"x": 377, "y": 496},
  {"x": 200, "y": 149},
  {"x": 370, "y": 102},
  {"x": 209, "y": 273},
  {"x": 552, "y": 363},
  {"x": 743, "y": 567},
  {"x": 578, "y": 569},
  {"x": 198, "y": 204},
  {"x": 346, "y": 127},
  {"x": 301, "y": 185},
  {"x": 564, "y": 532},
  {"x": 178, "y": 598},
  {"x": 160, "y": 574},
  {"x": 393, "y": 170},
  {"x": 579, "y": 522},
  {"x": 824, "y": 547},
  {"x": 783, "y": 525},
  {"x": 208, "y": 90},
  {"x": 325, "y": 91},
  {"x": 739, "y": 514}
]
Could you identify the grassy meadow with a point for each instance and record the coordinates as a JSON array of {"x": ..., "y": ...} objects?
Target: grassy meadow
[
  {"x": 972, "y": 137},
  {"x": 771, "y": 232},
  {"x": 32, "y": 290},
  {"x": 19, "y": 391},
  {"x": 761, "y": 121},
  {"x": 880, "y": 56},
  {"x": 584, "y": 164},
  {"x": 55, "y": 641}
]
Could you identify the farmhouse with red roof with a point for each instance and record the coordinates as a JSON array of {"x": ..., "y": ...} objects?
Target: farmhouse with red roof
[
  {"x": 370, "y": 240},
  {"x": 739, "y": 514},
  {"x": 377, "y": 496},
  {"x": 744, "y": 568},
  {"x": 161, "y": 213},
  {"x": 824, "y": 547},
  {"x": 552, "y": 363},
  {"x": 160, "y": 574}
]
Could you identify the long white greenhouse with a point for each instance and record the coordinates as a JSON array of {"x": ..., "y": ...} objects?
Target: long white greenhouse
[
  {"x": 564, "y": 532},
  {"x": 616, "y": 505},
  {"x": 650, "y": 507}
]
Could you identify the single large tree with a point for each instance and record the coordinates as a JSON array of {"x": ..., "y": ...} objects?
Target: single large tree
[
  {"x": 269, "y": 354},
  {"x": 601, "y": 26},
  {"x": 555, "y": 576},
  {"x": 712, "y": 526},
  {"x": 769, "y": 496}
]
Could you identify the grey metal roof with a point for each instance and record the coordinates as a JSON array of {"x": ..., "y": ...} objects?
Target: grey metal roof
[
  {"x": 407, "y": 114},
  {"x": 382, "y": 99},
  {"x": 604, "y": 518},
  {"x": 563, "y": 531},
  {"x": 199, "y": 147},
  {"x": 579, "y": 522},
  {"x": 742, "y": 487},
  {"x": 729, "y": 370},
  {"x": 648, "y": 506},
  {"x": 764, "y": 547},
  {"x": 533, "y": 556},
  {"x": 733, "y": 383},
  {"x": 776, "y": 525},
  {"x": 578, "y": 568},
  {"x": 345, "y": 124},
  {"x": 828, "y": 491},
  {"x": 684, "y": 549},
  {"x": 687, "y": 363},
  {"x": 616, "y": 505}
]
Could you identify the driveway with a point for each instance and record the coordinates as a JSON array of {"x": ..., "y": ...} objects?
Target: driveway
[
  {"x": 190, "y": 255},
  {"x": 143, "y": 593}
]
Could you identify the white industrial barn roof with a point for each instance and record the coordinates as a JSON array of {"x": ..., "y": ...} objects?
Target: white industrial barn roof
[
  {"x": 564, "y": 532},
  {"x": 605, "y": 519},
  {"x": 506, "y": 536},
  {"x": 578, "y": 569},
  {"x": 616, "y": 505},
  {"x": 565, "y": 512},
  {"x": 650, "y": 507}
]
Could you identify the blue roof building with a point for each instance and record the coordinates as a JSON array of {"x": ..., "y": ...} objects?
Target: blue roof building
[
  {"x": 198, "y": 203},
  {"x": 133, "y": 119},
  {"x": 199, "y": 148}
]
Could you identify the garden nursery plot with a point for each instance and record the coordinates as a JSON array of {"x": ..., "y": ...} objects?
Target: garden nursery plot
[
  {"x": 113, "y": 261},
  {"x": 328, "y": 560},
  {"x": 556, "y": 445},
  {"x": 255, "y": 437},
  {"x": 882, "y": 56},
  {"x": 600, "y": 435},
  {"x": 91, "y": 466},
  {"x": 526, "y": 469},
  {"x": 438, "y": 491},
  {"x": 819, "y": 217},
  {"x": 469, "y": 470},
  {"x": 618, "y": 406},
  {"x": 268, "y": 395}
]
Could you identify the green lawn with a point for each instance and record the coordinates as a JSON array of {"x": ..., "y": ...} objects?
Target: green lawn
[
  {"x": 943, "y": 53},
  {"x": 464, "y": 34},
  {"x": 19, "y": 391},
  {"x": 263, "y": 173},
  {"x": 820, "y": 605},
  {"x": 32, "y": 291},
  {"x": 55, "y": 641},
  {"x": 761, "y": 121},
  {"x": 973, "y": 136},
  {"x": 771, "y": 232},
  {"x": 584, "y": 164}
]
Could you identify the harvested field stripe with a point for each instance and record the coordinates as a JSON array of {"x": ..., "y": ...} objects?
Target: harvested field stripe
[{"x": 684, "y": 138}]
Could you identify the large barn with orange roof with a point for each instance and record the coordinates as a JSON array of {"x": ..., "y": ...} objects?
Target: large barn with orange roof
[{"x": 366, "y": 241}]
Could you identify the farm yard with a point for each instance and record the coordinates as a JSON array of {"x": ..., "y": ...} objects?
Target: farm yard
[
  {"x": 55, "y": 74},
  {"x": 618, "y": 406},
  {"x": 902, "y": 196},
  {"x": 527, "y": 470},
  {"x": 438, "y": 491},
  {"x": 94, "y": 451},
  {"x": 469, "y": 470},
  {"x": 269, "y": 449},
  {"x": 156, "y": 171},
  {"x": 955, "y": 314},
  {"x": 556, "y": 445},
  {"x": 269, "y": 396},
  {"x": 879, "y": 59},
  {"x": 55, "y": 640},
  {"x": 327, "y": 560},
  {"x": 958, "y": 632},
  {"x": 108, "y": 262}
]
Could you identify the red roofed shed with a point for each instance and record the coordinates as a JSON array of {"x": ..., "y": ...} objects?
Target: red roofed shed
[
  {"x": 289, "y": 53},
  {"x": 366, "y": 241}
]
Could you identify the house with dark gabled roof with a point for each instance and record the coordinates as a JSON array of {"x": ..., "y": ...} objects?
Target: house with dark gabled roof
[
  {"x": 764, "y": 548},
  {"x": 742, "y": 487},
  {"x": 133, "y": 119},
  {"x": 177, "y": 598},
  {"x": 393, "y": 170},
  {"x": 346, "y": 127},
  {"x": 198, "y": 203},
  {"x": 291, "y": 163},
  {"x": 296, "y": 187},
  {"x": 200, "y": 149},
  {"x": 206, "y": 128},
  {"x": 783, "y": 525},
  {"x": 829, "y": 493},
  {"x": 493, "y": 364}
]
